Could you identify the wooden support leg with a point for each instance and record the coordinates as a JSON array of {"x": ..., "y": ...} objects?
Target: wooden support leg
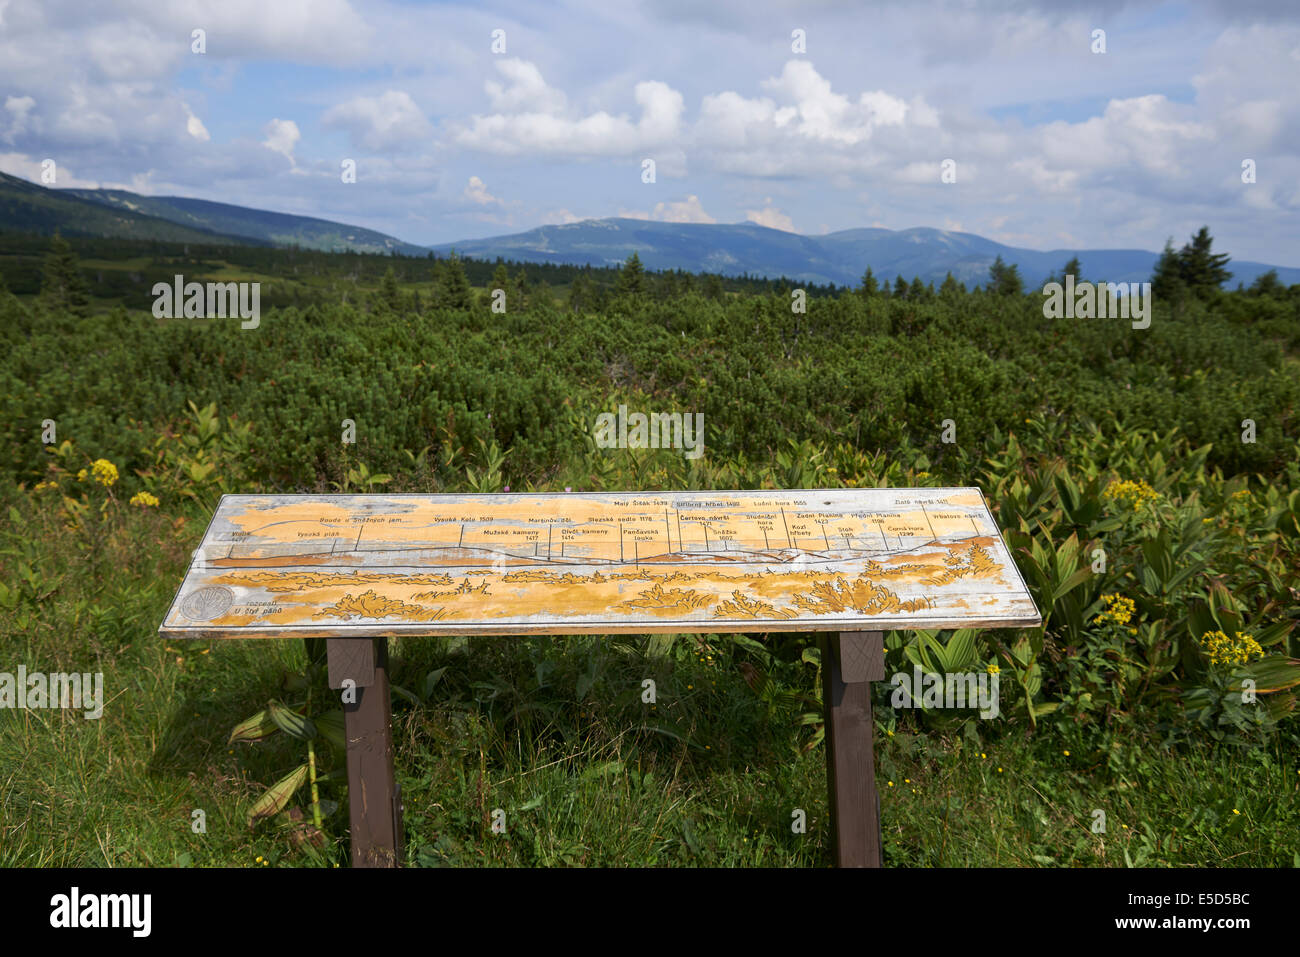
[
  {"x": 375, "y": 803},
  {"x": 850, "y": 662}
]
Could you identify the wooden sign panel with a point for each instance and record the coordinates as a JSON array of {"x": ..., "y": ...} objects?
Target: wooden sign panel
[{"x": 812, "y": 560}]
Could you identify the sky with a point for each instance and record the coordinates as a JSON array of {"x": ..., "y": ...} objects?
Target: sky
[{"x": 473, "y": 120}]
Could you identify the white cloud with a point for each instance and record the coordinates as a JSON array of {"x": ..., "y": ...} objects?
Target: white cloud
[
  {"x": 18, "y": 107},
  {"x": 771, "y": 217},
  {"x": 817, "y": 112},
  {"x": 391, "y": 121},
  {"x": 926, "y": 173},
  {"x": 130, "y": 51},
  {"x": 194, "y": 126},
  {"x": 313, "y": 31},
  {"x": 811, "y": 110},
  {"x": 282, "y": 136},
  {"x": 661, "y": 110},
  {"x": 1144, "y": 133},
  {"x": 476, "y": 192},
  {"x": 525, "y": 92},
  {"x": 688, "y": 210},
  {"x": 560, "y": 217},
  {"x": 532, "y": 118},
  {"x": 806, "y": 127},
  {"x": 24, "y": 166}
]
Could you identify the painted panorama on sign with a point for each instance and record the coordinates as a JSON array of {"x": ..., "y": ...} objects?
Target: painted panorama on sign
[{"x": 639, "y": 562}]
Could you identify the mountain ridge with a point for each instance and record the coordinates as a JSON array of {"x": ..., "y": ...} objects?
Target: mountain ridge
[
  {"x": 732, "y": 249},
  {"x": 277, "y": 229},
  {"x": 840, "y": 257},
  {"x": 30, "y": 207}
]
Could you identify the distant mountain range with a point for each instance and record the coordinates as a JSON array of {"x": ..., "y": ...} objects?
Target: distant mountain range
[
  {"x": 732, "y": 250},
  {"x": 839, "y": 258}
]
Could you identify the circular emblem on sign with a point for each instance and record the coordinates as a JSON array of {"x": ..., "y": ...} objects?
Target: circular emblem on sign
[{"x": 207, "y": 603}]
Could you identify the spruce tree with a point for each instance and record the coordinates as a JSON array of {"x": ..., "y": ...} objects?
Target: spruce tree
[
  {"x": 949, "y": 287},
  {"x": 869, "y": 285},
  {"x": 1004, "y": 280},
  {"x": 500, "y": 278},
  {"x": 900, "y": 288},
  {"x": 1265, "y": 284},
  {"x": 1167, "y": 279},
  {"x": 631, "y": 278},
  {"x": 519, "y": 289},
  {"x": 389, "y": 297},
  {"x": 62, "y": 285},
  {"x": 1202, "y": 271},
  {"x": 453, "y": 288},
  {"x": 580, "y": 294}
]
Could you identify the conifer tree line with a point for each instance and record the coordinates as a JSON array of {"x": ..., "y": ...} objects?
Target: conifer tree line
[{"x": 1192, "y": 271}]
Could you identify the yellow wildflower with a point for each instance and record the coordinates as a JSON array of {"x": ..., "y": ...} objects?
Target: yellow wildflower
[
  {"x": 145, "y": 499},
  {"x": 993, "y": 670},
  {"x": 81, "y": 476},
  {"x": 1132, "y": 495},
  {"x": 105, "y": 472},
  {"x": 1223, "y": 650},
  {"x": 1118, "y": 609}
]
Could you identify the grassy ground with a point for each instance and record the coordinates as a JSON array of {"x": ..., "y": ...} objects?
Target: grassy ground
[{"x": 554, "y": 733}]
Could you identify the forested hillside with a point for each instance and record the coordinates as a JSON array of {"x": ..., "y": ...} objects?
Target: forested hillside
[{"x": 35, "y": 209}]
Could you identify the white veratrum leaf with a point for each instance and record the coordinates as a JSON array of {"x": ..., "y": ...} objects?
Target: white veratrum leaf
[
  {"x": 277, "y": 795},
  {"x": 255, "y": 728}
]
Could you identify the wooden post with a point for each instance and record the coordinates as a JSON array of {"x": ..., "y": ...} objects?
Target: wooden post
[
  {"x": 375, "y": 803},
  {"x": 850, "y": 662}
]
